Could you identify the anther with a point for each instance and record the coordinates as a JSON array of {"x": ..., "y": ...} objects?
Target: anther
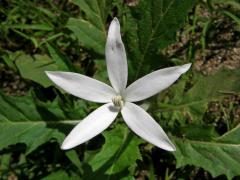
[{"x": 118, "y": 101}]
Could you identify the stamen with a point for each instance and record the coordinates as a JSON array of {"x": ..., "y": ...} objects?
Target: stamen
[{"x": 118, "y": 101}]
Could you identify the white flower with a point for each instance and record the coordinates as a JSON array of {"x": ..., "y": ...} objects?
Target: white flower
[{"x": 119, "y": 98}]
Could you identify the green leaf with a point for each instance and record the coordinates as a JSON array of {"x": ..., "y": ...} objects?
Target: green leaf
[
  {"x": 91, "y": 32},
  {"x": 10, "y": 57},
  {"x": 101, "y": 71},
  {"x": 198, "y": 132},
  {"x": 62, "y": 61},
  {"x": 199, "y": 146},
  {"x": 61, "y": 175},
  {"x": 150, "y": 27},
  {"x": 28, "y": 36},
  {"x": 233, "y": 3},
  {"x": 88, "y": 35},
  {"x": 96, "y": 11},
  {"x": 194, "y": 102},
  {"x": 118, "y": 154},
  {"x": 219, "y": 157},
  {"x": 24, "y": 119},
  {"x": 34, "y": 67},
  {"x": 27, "y": 133},
  {"x": 232, "y": 16},
  {"x": 73, "y": 156}
]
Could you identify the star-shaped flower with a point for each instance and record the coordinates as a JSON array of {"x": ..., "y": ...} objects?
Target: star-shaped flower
[{"x": 118, "y": 98}]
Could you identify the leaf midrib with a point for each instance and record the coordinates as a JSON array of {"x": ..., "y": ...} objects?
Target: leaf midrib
[
  {"x": 41, "y": 122},
  {"x": 151, "y": 38},
  {"x": 217, "y": 144}
]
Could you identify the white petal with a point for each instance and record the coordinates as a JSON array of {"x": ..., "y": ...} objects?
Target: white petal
[
  {"x": 92, "y": 125},
  {"x": 116, "y": 57},
  {"x": 82, "y": 86},
  {"x": 145, "y": 126},
  {"x": 153, "y": 83}
]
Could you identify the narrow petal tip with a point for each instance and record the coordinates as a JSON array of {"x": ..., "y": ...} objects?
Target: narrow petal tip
[
  {"x": 65, "y": 146},
  {"x": 165, "y": 144},
  {"x": 52, "y": 75},
  {"x": 114, "y": 29},
  {"x": 49, "y": 73},
  {"x": 171, "y": 148},
  {"x": 115, "y": 20},
  {"x": 184, "y": 68}
]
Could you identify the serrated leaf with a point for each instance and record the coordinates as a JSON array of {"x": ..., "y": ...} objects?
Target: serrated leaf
[
  {"x": 150, "y": 27},
  {"x": 207, "y": 88},
  {"x": 23, "y": 120},
  {"x": 198, "y": 132},
  {"x": 27, "y": 133},
  {"x": 119, "y": 152},
  {"x": 219, "y": 157}
]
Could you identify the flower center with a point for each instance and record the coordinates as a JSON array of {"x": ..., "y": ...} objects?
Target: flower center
[{"x": 118, "y": 101}]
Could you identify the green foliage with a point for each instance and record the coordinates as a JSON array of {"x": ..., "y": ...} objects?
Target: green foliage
[
  {"x": 194, "y": 102},
  {"x": 150, "y": 27},
  {"x": 61, "y": 61},
  {"x": 101, "y": 71},
  {"x": 119, "y": 153},
  {"x": 21, "y": 121},
  {"x": 60, "y": 175},
  {"x": 208, "y": 89},
  {"x": 91, "y": 32},
  {"x": 201, "y": 145},
  {"x": 87, "y": 34},
  {"x": 219, "y": 156},
  {"x": 34, "y": 68},
  {"x": 39, "y": 36}
]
